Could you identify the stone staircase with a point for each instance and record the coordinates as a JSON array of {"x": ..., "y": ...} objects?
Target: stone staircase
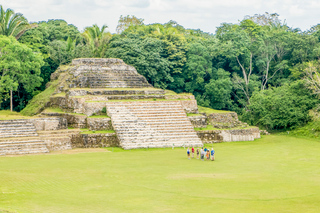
[
  {"x": 150, "y": 124},
  {"x": 20, "y": 137},
  {"x": 108, "y": 76}
]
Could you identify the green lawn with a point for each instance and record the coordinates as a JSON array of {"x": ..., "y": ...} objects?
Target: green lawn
[
  {"x": 209, "y": 111},
  {"x": 8, "y": 115},
  {"x": 272, "y": 174}
]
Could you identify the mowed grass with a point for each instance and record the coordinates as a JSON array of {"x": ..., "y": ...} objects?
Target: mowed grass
[{"x": 272, "y": 174}]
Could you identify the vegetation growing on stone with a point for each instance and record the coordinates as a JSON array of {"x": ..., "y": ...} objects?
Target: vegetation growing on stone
[{"x": 234, "y": 69}]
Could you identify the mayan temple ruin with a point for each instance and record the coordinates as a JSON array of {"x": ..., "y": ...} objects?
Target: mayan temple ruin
[{"x": 97, "y": 102}]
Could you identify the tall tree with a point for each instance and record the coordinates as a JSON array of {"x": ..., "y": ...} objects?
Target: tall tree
[
  {"x": 240, "y": 44},
  {"x": 127, "y": 21},
  {"x": 13, "y": 24},
  {"x": 97, "y": 39},
  {"x": 18, "y": 66}
]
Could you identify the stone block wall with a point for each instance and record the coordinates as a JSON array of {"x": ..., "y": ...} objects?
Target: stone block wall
[
  {"x": 225, "y": 120},
  {"x": 216, "y": 136},
  {"x": 190, "y": 106},
  {"x": 99, "y": 124},
  {"x": 97, "y": 61},
  {"x": 47, "y": 124},
  {"x": 198, "y": 121},
  {"x": 91, "y": 108},
  {"x": 55, "y": 144},
  {"x": 223, "y": 117},
  {"x": 94, "y": 140}
]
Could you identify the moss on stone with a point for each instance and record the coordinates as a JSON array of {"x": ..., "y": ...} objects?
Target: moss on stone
[
  {"x": 38, "y": 103},
  {"x": 87, "y": 131},
  {"x": 192, "y": 114}
]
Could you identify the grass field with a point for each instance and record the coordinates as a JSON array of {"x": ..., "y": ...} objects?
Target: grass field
[{"x": 272, "y": 174}]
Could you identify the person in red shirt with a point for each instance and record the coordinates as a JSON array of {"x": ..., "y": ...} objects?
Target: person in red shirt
[{"x": 192, "y": 150}]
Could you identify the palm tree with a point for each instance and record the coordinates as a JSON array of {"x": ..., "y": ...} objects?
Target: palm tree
[
  {"x": 13, "y": 24},
  {"x": 97, "y": 38}
]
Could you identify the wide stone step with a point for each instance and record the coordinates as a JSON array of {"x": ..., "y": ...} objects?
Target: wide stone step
[
  {"x": 19, "y": 139},
  {"x": 132, "y": 97},
  {"x": 26, "y": 152},
  {"x": 22, "y": 130},
  {"x": 158, "y": 137},
  {"x": 5, "y": 128},
  {"x": 156, "y": 119},
  {"x": 18, "y": 121},
  {"x": 13, "y": 142},
  {"x": 79, "y": 92},
  {"x": 23, "y": 145},
  {"x": 156, "y": 123},
  {"x": 160, "y": 145},
  {"x": 153, "y": 113},
  {"x": 116, "y": 86},
  {"x": 147, "y": 103},
  {"x": 16, "y": 145},
  {"x": 18, "y": 135},
  {"x": 160, "y": 132},
  {"x": 125, "y": 128}
]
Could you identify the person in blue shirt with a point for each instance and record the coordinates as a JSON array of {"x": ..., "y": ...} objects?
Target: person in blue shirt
[
  {"x": 205, "y": 149},
  {"x": 188, "y": 153},
  {"x": 212, "y": 154}
]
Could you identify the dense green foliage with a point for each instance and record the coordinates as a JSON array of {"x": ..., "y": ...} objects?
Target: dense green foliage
[
  {"x": 239, "y": 68},
  {"x": 272, "y": 174},
  {"x": 19, "y": 67},
  {"x": 280, "y": 108}
]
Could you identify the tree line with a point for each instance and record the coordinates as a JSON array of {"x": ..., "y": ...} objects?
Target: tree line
[{"x": 260, "y": 68}]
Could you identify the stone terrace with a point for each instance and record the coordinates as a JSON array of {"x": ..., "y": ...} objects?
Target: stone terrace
[
  {"x": 105, "y": 73},
  {"x": 20, "y": 137},
  {"x": 152, "y": 124}
]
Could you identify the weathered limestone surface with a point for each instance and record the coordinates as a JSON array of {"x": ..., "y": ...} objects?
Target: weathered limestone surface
[
  {"x": 20, "y": 137},
  {"x": 198, "y": 121},
  {"x": 152, "y": 124},
  {"x": 81, "y": 92},
  {"x": 105, "y": 73},
  {"x": 99, "y": 123},
  {"x": 73, "y": 120},
  {"x": 223, "y": 117},
  {"x": 225, "y": 120},
  {"x": 58, "y": 139},
  {"x": 95, "y": 140},
  {"x": 190, "y": 106},
  {"x": 49, "y": 123},
  {"x": 215, "y": 136}
]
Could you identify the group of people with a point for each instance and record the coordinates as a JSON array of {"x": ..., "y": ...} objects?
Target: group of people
[{"x": 204, "y": 153}]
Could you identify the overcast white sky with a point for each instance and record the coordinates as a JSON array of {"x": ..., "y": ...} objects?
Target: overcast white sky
[{"x": 195, "y": 14}]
